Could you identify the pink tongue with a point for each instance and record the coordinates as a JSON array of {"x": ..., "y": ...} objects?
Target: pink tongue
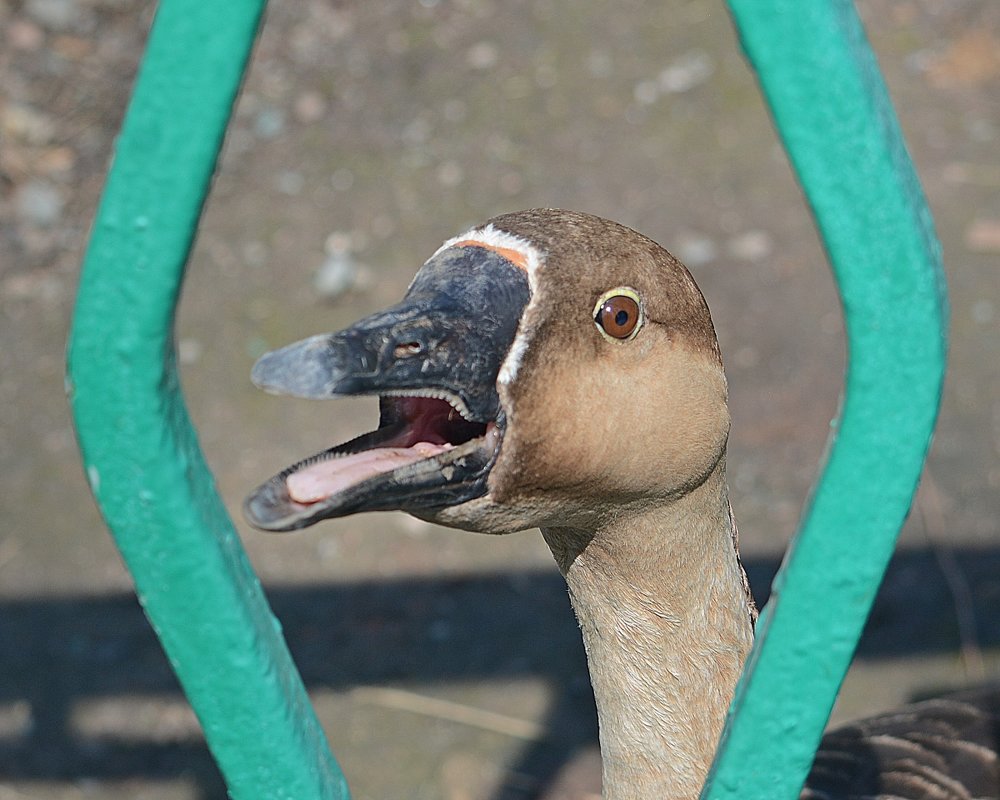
[{"x": 325, "y": 478}]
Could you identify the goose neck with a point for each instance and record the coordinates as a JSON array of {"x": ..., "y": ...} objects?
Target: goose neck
[{"x": 662, "y": 604}]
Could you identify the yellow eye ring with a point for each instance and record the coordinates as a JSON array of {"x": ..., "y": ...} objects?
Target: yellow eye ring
[{"x": 618, "y": 314}]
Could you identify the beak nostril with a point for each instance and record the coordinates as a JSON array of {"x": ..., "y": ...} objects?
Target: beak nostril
[{"x": 408, "y": 349}]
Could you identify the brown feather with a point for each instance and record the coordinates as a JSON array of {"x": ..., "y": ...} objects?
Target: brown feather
[{"x": 940, "y": 749}]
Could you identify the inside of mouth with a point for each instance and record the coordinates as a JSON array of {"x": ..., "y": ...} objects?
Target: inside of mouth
[{"x": 419, "y": 428}]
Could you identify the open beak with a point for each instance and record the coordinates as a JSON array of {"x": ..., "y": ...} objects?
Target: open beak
[{"x": 433, "y": 361}]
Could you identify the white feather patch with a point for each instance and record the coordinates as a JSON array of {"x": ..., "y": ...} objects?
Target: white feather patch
[{"x": 496, "y": 238}]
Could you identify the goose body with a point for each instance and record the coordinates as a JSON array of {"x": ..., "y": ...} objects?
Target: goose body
[{"x": 552, "y": 369}]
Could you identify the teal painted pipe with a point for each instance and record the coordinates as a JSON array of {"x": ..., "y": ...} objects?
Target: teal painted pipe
[
  {"x": 833, "y": 113},
  {"x": 139, "y": 449},
  {"x": 192, "y": 576}
]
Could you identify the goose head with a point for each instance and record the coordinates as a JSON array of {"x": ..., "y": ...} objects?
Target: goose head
[{"x": 545, "y": 369}]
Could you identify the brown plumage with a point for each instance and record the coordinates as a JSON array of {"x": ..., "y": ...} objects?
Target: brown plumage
[
  {"x": 939, "y": 749},
  {"x": 613, "y": 443}
]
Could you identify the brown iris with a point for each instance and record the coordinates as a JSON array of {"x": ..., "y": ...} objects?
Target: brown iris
[{"x": 618, "y": 315}]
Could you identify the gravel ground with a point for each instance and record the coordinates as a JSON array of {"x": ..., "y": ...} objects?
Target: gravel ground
[{"x": 446, "y": 665}]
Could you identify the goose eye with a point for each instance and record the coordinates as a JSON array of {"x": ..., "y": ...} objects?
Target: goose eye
[{"x": 618, "y": 314}]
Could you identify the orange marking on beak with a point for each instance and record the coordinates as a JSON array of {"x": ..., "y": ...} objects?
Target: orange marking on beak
[{"x": 515, "y": 257}]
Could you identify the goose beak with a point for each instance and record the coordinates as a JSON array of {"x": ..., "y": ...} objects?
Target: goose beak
[{"x": 433, "y": 361}]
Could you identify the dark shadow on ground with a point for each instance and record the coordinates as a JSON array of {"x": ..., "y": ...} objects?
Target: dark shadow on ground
[{"x": 369, "y": 633}]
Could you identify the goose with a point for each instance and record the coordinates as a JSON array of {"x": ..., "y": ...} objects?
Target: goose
[{"x": 551, "y": 369}]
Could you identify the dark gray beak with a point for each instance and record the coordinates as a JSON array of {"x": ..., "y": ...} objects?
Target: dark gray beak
[{"x": 433, "y": 361}]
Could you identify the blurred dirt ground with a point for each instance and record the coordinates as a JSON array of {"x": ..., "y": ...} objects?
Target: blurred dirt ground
[{"x": 446, "y": 665}]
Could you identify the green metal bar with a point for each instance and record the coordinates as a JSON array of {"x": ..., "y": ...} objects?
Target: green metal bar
[
  {"x": 139, "y": 449},
  {"x": 833, "y": 112}
]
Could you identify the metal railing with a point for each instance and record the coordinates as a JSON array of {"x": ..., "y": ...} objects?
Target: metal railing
[
  {"x": 833, "y": 113},
  {"x": 140, "y": 451},
  {"x": 191, "y": 574}
]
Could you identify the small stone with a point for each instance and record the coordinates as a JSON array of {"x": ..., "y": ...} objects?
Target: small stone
[
  {"x": 56, "y": 14},
  {"x": 751, "y": 245},
  {"x": 189, "y": 351},
  {"x": 955, "y": 172},
  {"x": 336, "y": 276},
  {"x": 450, "y": 174},
  {"x": 309, "y": 107},
  {"x": 25, "y": 35},
  {"x": 338, "y": 243},
  {"x": 695, "y": 250},
  {"x": 482, "y": 55},
  {"x": 981, "y": 130},
  {"x": 690, "y": 70},
  {"x": 290, "y": 182},
  {"x": 972, "y": 59},
  {"x": 73, "y": 48},
  {"x": 983, "y": 236},
  {"x": 39, "y": 203},
  {"x": 56, "y": 160},
  {"x": 417, "y": 131},
  {"x": 645, "y": 92},
  {"x": 599, "y": 64},
  {"x": 26, "y": 124},
  {"x": 255, "y": 253},
  {"x": 20, "y": 286},
  {"x": 40, "y": 286},
  {"x": 269, "y": 122},
  {"x": 746, "y": 357}
]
